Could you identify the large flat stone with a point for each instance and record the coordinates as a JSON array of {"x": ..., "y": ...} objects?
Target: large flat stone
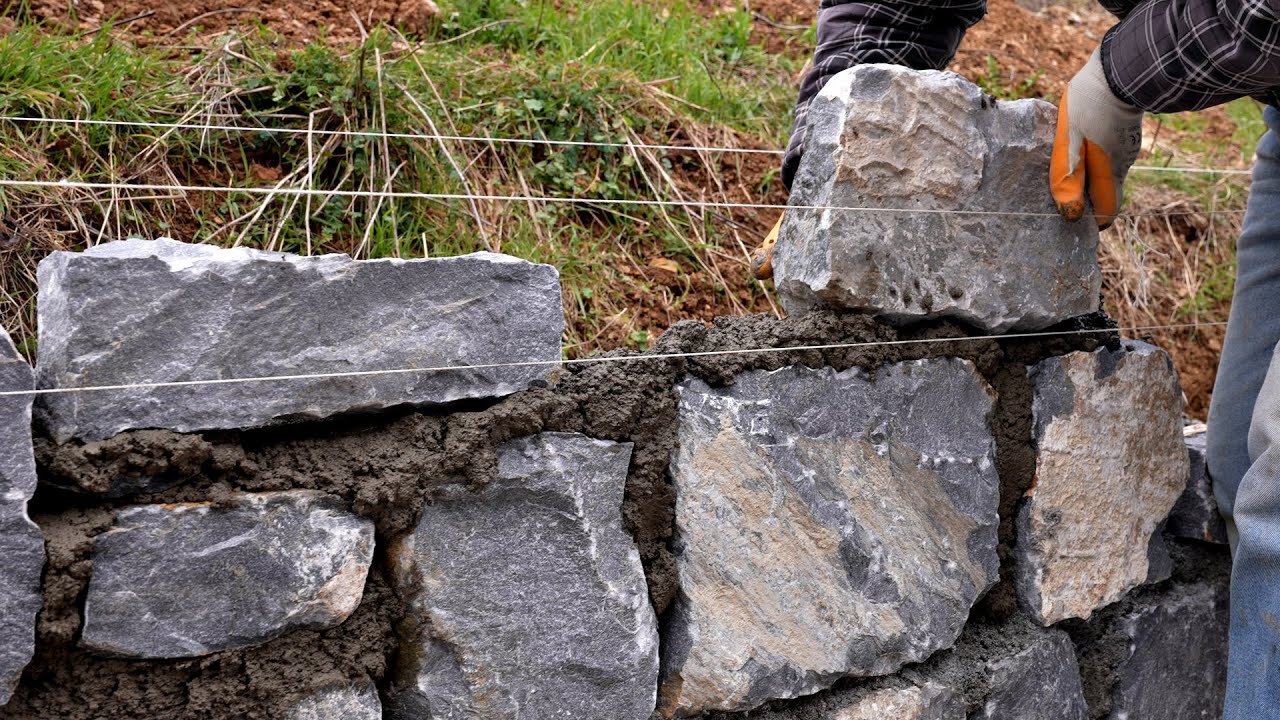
[
  {"x": 21, "y": 544},
  {"x": 883, "y": 136},
  {"x": 342, "y": 702},
  {"x": 141, "y": 311},
  {"x": 827, "y": 524},
  {"x": 187, "y": 580},
  {"x": 527, "y": 597},
  {"x": 1110, "y": 463},
  {"x": 1041, "y": 682},
  {"x": 1195, "y": 516}
]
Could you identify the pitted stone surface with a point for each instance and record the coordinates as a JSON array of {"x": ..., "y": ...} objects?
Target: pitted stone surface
[
  {"x": 1177, "y": 663},
  {"x": 140, "y": 311},
  {"x": 827, "y": 524},
  {"x": 1110, "y": 463},
  {"x": 187, "y": 580},
  {"x": 883, "y": 136},
  {"x": 527, "y": 597},
  {"x": 1041, "y": 682},
  {"x": 929, "y": 702},
  {"x": 347, "y": 702},
  {"x": 1195, "y": 516},
  {"x": 21, "y": 544}
]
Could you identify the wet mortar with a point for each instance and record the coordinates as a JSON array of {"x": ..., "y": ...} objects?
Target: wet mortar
[{"x": 388, "y": 465}]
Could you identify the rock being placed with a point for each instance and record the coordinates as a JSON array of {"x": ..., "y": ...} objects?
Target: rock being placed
[
  {"x": 827, "y": 524},
  {"x": 141, "y": 311},
  {"x": 187, "y": 580},
  {"x": 21, "y": 544},
  {"x": 1110, "y": 462},
  {"x": 1041, "y": 682},
  {"x": 1195, "y": 516},
  {"x": 527, "y": 598},
  {"x": 346, "y": 702},
  {"x": 883, "y": 136}
]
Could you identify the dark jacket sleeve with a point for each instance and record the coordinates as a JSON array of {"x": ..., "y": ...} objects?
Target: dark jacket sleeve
[
  {"x": 1174, "y": 55},
  {"x": 920, "y": 34}
]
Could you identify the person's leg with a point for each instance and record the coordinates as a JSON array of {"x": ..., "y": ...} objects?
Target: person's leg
[{"x": 1254, "y": 327}]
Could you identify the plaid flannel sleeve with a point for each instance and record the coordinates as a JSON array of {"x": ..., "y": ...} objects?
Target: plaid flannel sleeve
[
  {"x": 1174, "y": 55},
  {"x": 920, "y": 34}
]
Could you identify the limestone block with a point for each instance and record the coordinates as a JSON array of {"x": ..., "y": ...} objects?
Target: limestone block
[
  {"x": 527, "y": 597},
  {"x": 187, "y": 580},
  {"x": 21, "y": 544},
  {"x": 884, "y": 136},
  {"x": 1041, "y": 682},
  {"x": 827, "y": 524},
  {"x": 1176, "y": 666},
  {"x": 346, "y": 702},
  {"x": 1110, "y": 463},
  {"x": 141, "y": 311},
  {"x": 1195, "y": 516},
  {"x": 929, "y": 702}
]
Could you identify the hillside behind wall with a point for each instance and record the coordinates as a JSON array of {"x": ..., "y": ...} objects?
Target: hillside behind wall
[{"x": 913, "y": 521}]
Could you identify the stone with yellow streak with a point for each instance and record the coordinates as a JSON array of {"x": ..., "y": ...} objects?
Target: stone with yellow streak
[{"x": 827, "y": 524}]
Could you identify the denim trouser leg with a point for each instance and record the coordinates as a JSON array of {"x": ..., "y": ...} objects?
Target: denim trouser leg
[{"x": 1244, "y": 445}]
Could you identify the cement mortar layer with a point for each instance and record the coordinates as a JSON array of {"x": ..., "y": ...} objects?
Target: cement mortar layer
[{"x": 387, "y": 467}]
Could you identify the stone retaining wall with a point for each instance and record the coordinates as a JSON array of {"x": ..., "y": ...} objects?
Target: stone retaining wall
[{"x": 946, "y": 529}]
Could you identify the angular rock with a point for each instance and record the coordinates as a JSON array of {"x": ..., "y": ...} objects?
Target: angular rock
[
  {"x": 930, "y": 702},
  {"x": 21, "y": 544},
  {"x": 1195, "y": 516},
  {"x": 1041, "y": 682},
  {"x": 827, "y": 524},
  {"x": 1110, "y": 463},
  {"x": 527, "y": 597},
  {"x": 191, "y": 579},
  {"x": 347, "y": 702},
  {"x": 884, "y": 136},
  {"x": 141, "y": 311}
]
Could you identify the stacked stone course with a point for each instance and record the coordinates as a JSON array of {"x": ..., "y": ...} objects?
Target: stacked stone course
[{"x": 999, "y": 528}]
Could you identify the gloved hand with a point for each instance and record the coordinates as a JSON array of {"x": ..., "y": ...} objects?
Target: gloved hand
[
  {"x": 762, "y": 258},
  {"x": 1098, "y": 138}
]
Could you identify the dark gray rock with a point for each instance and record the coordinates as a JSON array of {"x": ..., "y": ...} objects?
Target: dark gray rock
[
  {"x": 1110, "y": 462},
  {"x": 21, "y": 544},
  {"x": 346, "y": 702},
  {"x": 1195, "y": 516},
  {"x": 191, "y": 579},
  {"x": 1176, "y": 666},
  {"x": 884, "y": 136},
  {"x": 827, "y": 524},
  {"x": 527, "y": 597},
  {"x": 1041, "y": 682},
  {"x": 141, "y": 311}
]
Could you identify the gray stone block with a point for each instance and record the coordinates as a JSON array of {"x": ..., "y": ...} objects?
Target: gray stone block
[
  {"x": 827, "y": 524},
  {"x": 1041, "y": 682},
  {"x": 1195, "y": 516},
  {"x": 883, "y": 136},
  {"x": 1110, "y": 463},
  {"x": 527, "y": 598},
  {"x": 345, "y": 702},
  {"x": 141, "y": 311},
  {"x": 21, "y": 544},
  {"x": 191, "y": 579}
]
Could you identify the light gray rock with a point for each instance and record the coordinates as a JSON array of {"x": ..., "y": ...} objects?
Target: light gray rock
[
  {"x": 827, "y": 524},
  {"x": 141, "y": 311},
  {"x": 1041, "y": 682},
  {"x": 1195, "y": 516},
  {"x": 1176, "y": 666},
  {"x": 1110, "y": 463},
  {"x": 928, "y": 702},
  {"x": 190, "y": 579},
  {"x": 884, "y": 136},
  {"x": 528, "y": 599},
  {"x": 21, "y": 544},
  {"x": 346, "y": 702}
]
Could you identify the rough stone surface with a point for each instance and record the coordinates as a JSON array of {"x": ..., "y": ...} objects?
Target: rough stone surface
[
  {"x": 883, "y": 136},
  {"x": 346, "y": 702},
  {"x": 1195, "y": 516},
  {"x": 1110, "y": 462},
  {"x": 528, "y": 598},
  {"x": 827, "y": 524},
  {"x": 21, "y": 545},
  {"x": 1176, "y": 667},
  {"x": 187, "y": 580},
  {"x": 140, "y": 311},
  {"x": 931, "y": 702},
  {"x": 1041, "y": 682}
]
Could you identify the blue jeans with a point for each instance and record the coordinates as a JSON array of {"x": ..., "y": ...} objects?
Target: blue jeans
[{"x": 1244, "y": 445}]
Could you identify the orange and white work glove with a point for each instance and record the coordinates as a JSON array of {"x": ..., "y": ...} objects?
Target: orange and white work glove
[
  {"x": 762, "y": 258},
  {"x": 1098, "y": 138}
]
